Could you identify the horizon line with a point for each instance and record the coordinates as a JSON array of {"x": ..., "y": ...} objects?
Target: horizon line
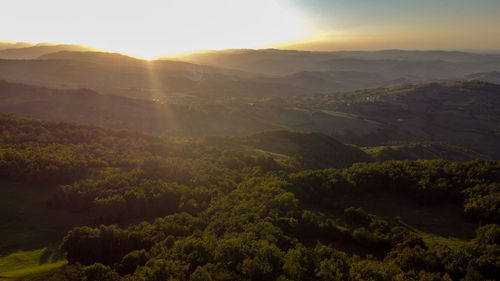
[{"x": 280, "y": 47}]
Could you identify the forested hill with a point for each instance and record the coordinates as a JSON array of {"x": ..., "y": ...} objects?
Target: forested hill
[
  {"x": 196, "y": 210},
  {"x": 313, "y": 150},
  {"x": 249, "y": 74},
  {"x": 464, "y": 114},
  {"x": 88, "y": 107}
]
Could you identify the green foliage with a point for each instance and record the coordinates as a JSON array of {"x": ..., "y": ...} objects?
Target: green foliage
[
  {"x": 314, "y": 150},
  {"x": 217, "y": 214},
  {"x": 28, "y": 262}
]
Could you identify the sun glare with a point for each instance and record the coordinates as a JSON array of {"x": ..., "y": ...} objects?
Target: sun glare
[{"x": 152, "y": 28}]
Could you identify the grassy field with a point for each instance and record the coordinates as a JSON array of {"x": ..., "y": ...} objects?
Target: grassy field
[
  {"x": 26, "y": 223},
  {"x": 29, "y": 231},
  {"x": 30, "y": 262}
]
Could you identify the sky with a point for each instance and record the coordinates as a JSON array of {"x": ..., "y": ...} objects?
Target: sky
[
  {"x": 405, "y": 24},
  {"x": 149, "y": 28}
]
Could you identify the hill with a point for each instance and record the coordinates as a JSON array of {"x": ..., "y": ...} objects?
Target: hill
[
  {"x": 110, "y": 73},
  {"x": 285, "y": 62},
  {"x": 13, "y": 45},
  {"x": 463, "y": 114},
  {"x": 490, "y": 77},
  {"x": 333, "y": 81},
  {"x": 313, "y": 150},
  {"x": 88, "y": 107},
  {"x": 189, "y": 207},
  {"x": 419, "y": 150},
  {"x": 248, "y": 165},
  {"x": 247, "y": 73},
  {"x": 32, "y": 52},
  {"x": 421, "y": 70}
]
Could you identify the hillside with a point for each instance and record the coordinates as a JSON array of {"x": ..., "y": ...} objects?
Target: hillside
[
  {"x": 386, "y": 62},
  {"x": 88, "y": 107},
  {"x": 421, "y": 70},
  {"x": 463, "y": 114},
  {"x": 188, "y": 208},
  {"x": 33, "y": 52},
  {"x": 247, "y": 73},
  {"x": 313, "y": 150},
  {"x": 110, "y": 73},
  {"x": 13, "y": 45},
  {"x": 490, "y": 77},
  {"x": 425, "y": 150},
  {"x": 250, "y": 140}
]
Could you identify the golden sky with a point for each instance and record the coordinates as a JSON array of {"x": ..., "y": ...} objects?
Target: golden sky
[{"x": 150, "y": 28}]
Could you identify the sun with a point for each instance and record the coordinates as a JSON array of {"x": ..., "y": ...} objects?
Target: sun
[{"x": 152, "y": 28}]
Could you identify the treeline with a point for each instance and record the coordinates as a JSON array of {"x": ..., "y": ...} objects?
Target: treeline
[
  {"x": 475, "y": 185},
  {"x": 259, "y": 231},
  {"x": 160, "y": 186},
  {"x": 55, "y": 152}
]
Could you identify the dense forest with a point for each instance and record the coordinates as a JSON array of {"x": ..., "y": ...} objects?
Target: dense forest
[{"x": 271, "y": 206}]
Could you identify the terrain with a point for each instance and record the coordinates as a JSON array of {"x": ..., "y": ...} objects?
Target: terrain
[
  {"x": 299, "y": 73},
  {"x": 274, "y": 61},
  {"x": 462, "y": 113},
  {"x": 216, "y": 199},
  {"x": 27, "y": 51},
  {"x": 248, "y": 165}
]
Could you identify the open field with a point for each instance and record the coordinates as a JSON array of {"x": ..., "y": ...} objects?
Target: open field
[
  {"x": 26, "y": 223},
  {"x": 30, "y": 262},
  {"x": 30, "y": 232}
]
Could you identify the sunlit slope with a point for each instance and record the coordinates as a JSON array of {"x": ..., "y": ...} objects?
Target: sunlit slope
[
  {"x": 464, "y": 114},
  {"x": 121, "y": 75},
  {"x": 248, "y": 73},
  {"x": 32, "y": 52},
  {"x": 88, "y": 107},
  {"x": 24, "y": 263},
  {"x": 219, "y": 191}
]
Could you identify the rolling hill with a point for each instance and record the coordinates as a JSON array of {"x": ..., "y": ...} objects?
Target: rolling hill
[
  {"x": 298, "y": 73},
  {"x": 314, "y": 150},
  {"x": 33, "y": 52},
  {"x": 110, "y": 73},
  {"x": 422, "y": 150},
  {"x": 13, "y": 45},
  {"x": 285, "y": 62},
  {"x": 490, "y": 77},
  {"x": 464, "y": 114},
  {"x": 186, "y": 200}
]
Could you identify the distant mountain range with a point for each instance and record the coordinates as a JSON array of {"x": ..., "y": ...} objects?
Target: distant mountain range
[
  {"x": 13, "y": 45},
  {"x": 121, "y": 75},
  {"x": 26, "y": 51},
  {"x": 281, "y": 62},
  {"x": 382, "y": 98},
  {"x": 243, "y": 73}
]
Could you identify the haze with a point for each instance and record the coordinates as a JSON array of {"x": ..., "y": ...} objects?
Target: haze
[{"x": 152, "y": 28}]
